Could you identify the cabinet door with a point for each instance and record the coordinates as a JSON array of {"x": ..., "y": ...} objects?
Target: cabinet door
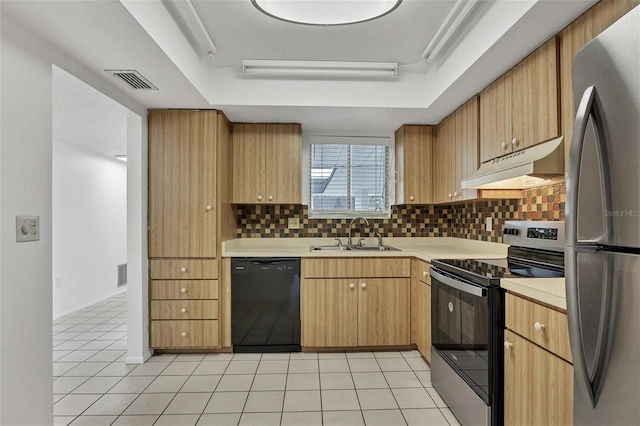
[
  {"x": 534, "y": 97},
  {"x": 249, "y": 142},
  {"x": 445, "y": 160},
  {"x": 329, "y": 312},
  {"x": 414, "y": 159},
  {"x": 283, "y": 149},
  {"x": 467, "y": 147},
  {"x": 495, "y": 118},
  {"x": 182, "y": 183},
  {"x": 538, "y": 386},
  {"x": 383, "y": 311}
]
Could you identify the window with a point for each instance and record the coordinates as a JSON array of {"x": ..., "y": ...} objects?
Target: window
[{"x": 348, "y": 176}]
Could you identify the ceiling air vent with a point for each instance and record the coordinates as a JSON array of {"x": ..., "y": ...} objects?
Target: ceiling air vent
[{"x": 133, "y": 79}]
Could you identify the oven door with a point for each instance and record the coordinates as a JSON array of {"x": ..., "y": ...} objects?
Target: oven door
[{"x": 460, "y": 329}]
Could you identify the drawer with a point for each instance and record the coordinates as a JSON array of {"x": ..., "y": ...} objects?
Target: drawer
[
  {"x": 184, "y": 289},
  {"x": 184, "y": 269},
  {"x": 420, "y": 270},
  {"x": 184, "y": 309},
  {"x": 356, "y": 267},
  {"x": 185, "y": 334},
  {"x": 543, "y": 326}
]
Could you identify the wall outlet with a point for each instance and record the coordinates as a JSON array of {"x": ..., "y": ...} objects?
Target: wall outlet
[
  {"x": 58, "y": 281},
  {"x": 488, "y": 224},
  {"x": 293, "y": 223},
  {"x": 27, "y": 228}
]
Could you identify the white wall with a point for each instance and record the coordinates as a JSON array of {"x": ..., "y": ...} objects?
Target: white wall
[
  {"x": 26, "y": 387},
  {"x": 89, "y": 225},
  {"x": 25, "y": 268}
]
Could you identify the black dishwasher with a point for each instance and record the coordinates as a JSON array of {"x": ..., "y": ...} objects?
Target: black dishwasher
[{"x": 265, "y": 304}]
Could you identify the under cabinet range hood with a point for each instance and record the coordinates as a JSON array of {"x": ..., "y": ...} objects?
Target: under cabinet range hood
[{"x": 533, "y": 166}]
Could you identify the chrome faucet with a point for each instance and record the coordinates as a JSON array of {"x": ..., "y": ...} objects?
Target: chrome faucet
[{"x": 351, "y": 226}]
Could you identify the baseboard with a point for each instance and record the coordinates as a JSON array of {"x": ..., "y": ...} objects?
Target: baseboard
[
  {"x": 86, "y": 305},
  {"x": 139, "y": 359}
]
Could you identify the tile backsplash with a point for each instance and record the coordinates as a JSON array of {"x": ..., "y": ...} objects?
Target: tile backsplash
[{"x": 464, "y": 220}]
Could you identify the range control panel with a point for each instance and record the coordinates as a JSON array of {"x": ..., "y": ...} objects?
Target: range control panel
[{"x": 547, "y": 235}]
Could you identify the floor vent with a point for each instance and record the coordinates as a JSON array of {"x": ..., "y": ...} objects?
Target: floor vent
[
  {"x": 133, "y": 79},
  {"x": 122, "y": 275}
]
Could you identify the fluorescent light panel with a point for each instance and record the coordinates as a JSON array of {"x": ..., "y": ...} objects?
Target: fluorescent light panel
[
  {"x": 460, "y": 10},
  {"x": 319, "y": 68}
]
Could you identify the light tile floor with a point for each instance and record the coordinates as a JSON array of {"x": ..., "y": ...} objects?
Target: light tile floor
[{"x": 93, "y": 386}]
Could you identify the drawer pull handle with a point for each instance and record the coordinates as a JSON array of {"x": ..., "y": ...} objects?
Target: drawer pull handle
[
  {"x": 183, "y": 269},
  {"x": 538, "y": 326},
  {"x": 183, "y": 290},
  {"x": 184, "y": 310},
  {"x": 352, "y": 286},
  {"x": 507, "y": 344},
  {"x": 184, "y": 334}
]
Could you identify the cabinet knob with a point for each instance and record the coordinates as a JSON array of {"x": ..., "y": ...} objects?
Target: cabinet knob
[
  {"x": 270, "y": 197},
  {"x": 411, "y": 198},
  {"x": 455, "y": 194},
  {"x": 363, "y": 285},
  {"x": 352, "y": 285},
  {"x": 183, "y": 290},
  {"x": 208, "y": 207},
  {"x": 503, "y": 145},
  {"x": 183, "y": 269},
  {"x": 425, "y": 273},
  {"x": 507, "y": 344},
  {"x": 184, "y": 310},
  {"x": 538, "y": 326},
  {"x": 184, "y": 334},
  {"x": 259, "y": 197},
  {"x": 450, "y": 195},
  {"x": 515, "y": 142}
]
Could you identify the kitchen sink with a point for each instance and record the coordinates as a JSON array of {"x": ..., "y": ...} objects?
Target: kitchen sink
[{"x": 353, "y": 248}]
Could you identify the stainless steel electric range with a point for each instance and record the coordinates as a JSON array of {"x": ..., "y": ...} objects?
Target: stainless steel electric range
[{"x": 467, "y": 318}]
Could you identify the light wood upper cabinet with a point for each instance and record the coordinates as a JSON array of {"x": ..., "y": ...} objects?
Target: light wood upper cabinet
[
  {"x": 182, "y": 183},
  {"x": 520, "y": 109},
  {"x": 456, "y": 153},
  {"x": 572, "y": 39},
  {"x": 414, "y": 163},
  {"x": 495, "y": 118},
  {"x": 538, "y": 386},
  {"x": 266, "y": 163},
  {"x": 534, "y": 97}
]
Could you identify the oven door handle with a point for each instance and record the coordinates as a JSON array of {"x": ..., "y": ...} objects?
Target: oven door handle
[{"x": 459, "y": 285}]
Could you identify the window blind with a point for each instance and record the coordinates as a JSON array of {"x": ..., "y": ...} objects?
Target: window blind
[{"x": 348, "y": 178}]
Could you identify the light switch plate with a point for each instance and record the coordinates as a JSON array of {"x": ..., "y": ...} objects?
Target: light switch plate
[{"x": 27, "y": 228}]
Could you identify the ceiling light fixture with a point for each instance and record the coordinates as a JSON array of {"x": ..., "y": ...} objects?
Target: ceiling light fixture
[
  {"x": 326, "y": 13},
  {"x": 451, "y": 23},
  {"x": 327, "y": 69},
  {"x": 187, "y": 14}
]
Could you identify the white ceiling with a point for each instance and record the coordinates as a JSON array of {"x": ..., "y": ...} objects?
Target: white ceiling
[{"x": 144, "y": 35}]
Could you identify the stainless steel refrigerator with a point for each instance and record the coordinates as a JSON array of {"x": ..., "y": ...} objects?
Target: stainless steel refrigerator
[{"x": 602, "y": 254}]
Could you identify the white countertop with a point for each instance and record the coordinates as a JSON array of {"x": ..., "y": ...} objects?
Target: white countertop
[
  {"x": 425, "y": 248},
  {"x": 547, "y": 290}
]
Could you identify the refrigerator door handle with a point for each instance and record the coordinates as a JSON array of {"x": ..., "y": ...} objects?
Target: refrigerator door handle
[
  {"x": 590, "y": 382},
  {"x": 589, "y": 107}
]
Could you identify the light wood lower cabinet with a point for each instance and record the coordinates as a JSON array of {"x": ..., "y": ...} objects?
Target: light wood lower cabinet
[
  {"x": 184, "y": 309},
  {"x": 538, "y": 386},
  {"x": 354, "y": 311},
  {"x": 421, "y": 307},
  {"x": 185, "y": 334},
  {"x": 538, "y": 379}
]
